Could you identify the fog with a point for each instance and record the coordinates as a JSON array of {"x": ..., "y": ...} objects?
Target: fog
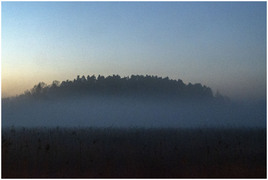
[{"x": 114, "y": 111}]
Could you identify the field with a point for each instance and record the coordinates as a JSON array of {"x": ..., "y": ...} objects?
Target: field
[{"x": 133, "y": 152}]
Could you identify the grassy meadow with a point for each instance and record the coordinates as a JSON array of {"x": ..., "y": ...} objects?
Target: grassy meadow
[{"x": 133, "y": 152}]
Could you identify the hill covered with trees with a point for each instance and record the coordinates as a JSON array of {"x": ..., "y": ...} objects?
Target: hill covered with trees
[
  {"x": 135, "y": 101},
  {"x": 133, "y": 86}
]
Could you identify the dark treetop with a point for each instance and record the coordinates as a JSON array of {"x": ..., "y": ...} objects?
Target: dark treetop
[{"x": 134, "y": 86}]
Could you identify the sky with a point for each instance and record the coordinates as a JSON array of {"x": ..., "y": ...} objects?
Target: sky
[{"x": 218, "y": 44}]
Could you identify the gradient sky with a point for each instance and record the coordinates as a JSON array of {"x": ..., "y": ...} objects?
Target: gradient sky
[{"x": 219, "y": 44}]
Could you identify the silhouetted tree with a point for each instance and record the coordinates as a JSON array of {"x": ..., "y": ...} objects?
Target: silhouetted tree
[
  {"x": 38, "y": 89},
  {"x": 55, "y": 84}
]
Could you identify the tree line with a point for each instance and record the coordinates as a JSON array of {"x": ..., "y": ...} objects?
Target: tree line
[{"x": 135, "y": 85}]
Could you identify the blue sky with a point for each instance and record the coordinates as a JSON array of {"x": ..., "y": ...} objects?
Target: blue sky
[{"x": 221, "y": 45}]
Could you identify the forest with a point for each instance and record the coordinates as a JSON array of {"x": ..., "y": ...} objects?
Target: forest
[
  {"x": 135, "y": 101},
  {"x": 135, "y": 86}
]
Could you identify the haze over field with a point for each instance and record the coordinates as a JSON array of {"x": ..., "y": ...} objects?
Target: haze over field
[
  {"x": 136, "y": 101},
  {"x": 218, "y": 44}
]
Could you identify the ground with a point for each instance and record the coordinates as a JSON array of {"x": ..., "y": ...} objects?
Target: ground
[{"x": 133, "y": 152}]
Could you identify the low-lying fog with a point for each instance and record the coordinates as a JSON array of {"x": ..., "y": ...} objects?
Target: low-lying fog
[{"x": 130, "y": 112}]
